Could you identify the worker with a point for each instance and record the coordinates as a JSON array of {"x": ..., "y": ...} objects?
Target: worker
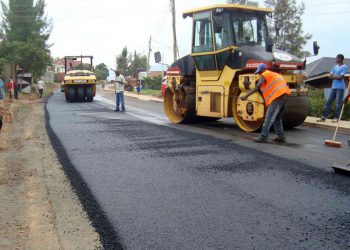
[
  {"x": 119, "y": 85},
  {"x": 2, "y": 97},
  {"x": 337, "y": 76},
  {"x": 10, "y": 86},
  {"x": 16, "y": 88},
  {"x": 275, "y": 91},
  {"x": 41, "y": 87},
  {"x": 2, "y": 91}
]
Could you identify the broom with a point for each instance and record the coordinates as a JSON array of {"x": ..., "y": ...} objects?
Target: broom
[{"x": 333, "y": 143}]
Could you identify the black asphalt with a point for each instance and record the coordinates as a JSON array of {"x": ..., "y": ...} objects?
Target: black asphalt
[{"x": 162, "y": 187}]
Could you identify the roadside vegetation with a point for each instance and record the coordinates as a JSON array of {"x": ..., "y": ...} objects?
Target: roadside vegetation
[{"x": 26, "y": 48}]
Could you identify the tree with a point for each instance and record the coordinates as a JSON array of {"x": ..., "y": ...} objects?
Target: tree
[
  {"x": 138, "y": 62},
  {"x": 101, "y": 71},
  {"x": 153, "y": 82},
  {"x": 129, "y": 64},
  {"x": 123, "y": 61},
  {"x": 83, "y": 66},
  {"x": 25, "y": 30},
  {"x": 286, "y": 26},
  {"x": 243, "y": 2}
]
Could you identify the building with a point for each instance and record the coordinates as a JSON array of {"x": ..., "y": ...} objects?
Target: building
[
  {"x": 58, "y": 65},
  {"x": 49, "y": 75},
  {"x": 318, "y": 71},
  {"x": 156, "y": 70}
]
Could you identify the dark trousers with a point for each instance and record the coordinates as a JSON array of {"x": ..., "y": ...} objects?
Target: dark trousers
[
  {"x": 41, "y": 92},
  {"x": 274, "y": 115},
  {"x": 16, "y": 92}
]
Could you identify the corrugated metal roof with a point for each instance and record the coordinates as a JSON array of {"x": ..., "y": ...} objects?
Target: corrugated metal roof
[{"x": 322, "y": 66}]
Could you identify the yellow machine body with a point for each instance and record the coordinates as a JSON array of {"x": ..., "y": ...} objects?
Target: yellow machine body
[
  {"x": 214, "y": 90},
  {"x": 79, "y": 84}
]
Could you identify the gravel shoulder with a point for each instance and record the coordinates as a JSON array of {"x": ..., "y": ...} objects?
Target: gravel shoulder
[{"x": 38, "y": 209}]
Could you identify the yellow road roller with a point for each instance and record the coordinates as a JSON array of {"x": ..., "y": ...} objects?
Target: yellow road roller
[
  {"x": 79, "y": 83},
  {"x": 229, "y": 41}
]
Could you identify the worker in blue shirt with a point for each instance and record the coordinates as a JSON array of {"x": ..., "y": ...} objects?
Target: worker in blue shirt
[
  {"x": 2, "y": 97},
  {"x": 2, "y": 91},
  {"x": 337, "y": 76}
]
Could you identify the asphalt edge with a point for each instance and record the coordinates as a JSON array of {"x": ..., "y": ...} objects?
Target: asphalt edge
[
  {"x": 109, "y": 237},
  {"x": 326, "y": 127}
]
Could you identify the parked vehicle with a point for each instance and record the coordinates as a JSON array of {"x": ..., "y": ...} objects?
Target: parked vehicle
[{"x": 164, "y": 85}]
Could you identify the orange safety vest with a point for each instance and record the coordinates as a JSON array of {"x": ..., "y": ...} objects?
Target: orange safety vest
[{"x": 274, "y": 86}]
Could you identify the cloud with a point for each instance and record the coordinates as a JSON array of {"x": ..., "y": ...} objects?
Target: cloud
[{"x": 102, "y": 28}]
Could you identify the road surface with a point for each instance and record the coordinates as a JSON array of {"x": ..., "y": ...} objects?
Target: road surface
[{"x": 158, "y": 185}]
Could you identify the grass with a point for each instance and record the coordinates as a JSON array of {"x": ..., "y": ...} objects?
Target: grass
[{"x": 150, "y": 92}]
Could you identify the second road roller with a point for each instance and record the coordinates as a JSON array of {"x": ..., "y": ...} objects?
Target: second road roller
[
  {"x": 79, "y": 84},
  {"x": 229, "y": 41}
]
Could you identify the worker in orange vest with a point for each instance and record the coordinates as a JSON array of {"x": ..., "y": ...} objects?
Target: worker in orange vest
[
  {"x": 275, "y": 91},
  {"x": 10, "y": 87}
]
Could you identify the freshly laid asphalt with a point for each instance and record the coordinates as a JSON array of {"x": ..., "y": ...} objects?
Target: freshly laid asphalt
[{"x": 160, "y": 186}]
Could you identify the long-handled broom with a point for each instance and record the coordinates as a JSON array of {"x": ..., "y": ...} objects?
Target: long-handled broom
[{"x": 334, "y": 143}]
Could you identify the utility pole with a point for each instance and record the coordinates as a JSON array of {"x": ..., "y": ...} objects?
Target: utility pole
[
  {"x": 175, "y": 46},
  {"x": 149, "y": 54}
]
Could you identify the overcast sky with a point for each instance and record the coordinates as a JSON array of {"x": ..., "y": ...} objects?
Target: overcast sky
[{"x": 102, "y": 28}]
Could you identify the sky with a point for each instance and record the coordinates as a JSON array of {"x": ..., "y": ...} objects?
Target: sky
[{"x": 102, "y": 28}]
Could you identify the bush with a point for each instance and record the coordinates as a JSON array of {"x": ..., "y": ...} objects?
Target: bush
[
  {"x": 317, "y": 101},
  {"x": 152, "y": 83}
]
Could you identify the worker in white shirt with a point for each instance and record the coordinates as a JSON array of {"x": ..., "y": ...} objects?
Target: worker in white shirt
[
  {"x": 41, "y": 87},
  {"x": 119, "y": 85}
]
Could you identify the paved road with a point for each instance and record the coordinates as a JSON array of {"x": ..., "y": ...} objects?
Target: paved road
[{"x": 164, "y": 186}]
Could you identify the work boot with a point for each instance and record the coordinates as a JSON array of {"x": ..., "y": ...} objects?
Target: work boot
[
  {"x": 279, "y": 140},
  {"x": 260, "y": 140},
  {"x": 322, "y": 119}
]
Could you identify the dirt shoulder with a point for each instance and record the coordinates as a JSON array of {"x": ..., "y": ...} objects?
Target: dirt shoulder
[{"x": 38, "y": 209}]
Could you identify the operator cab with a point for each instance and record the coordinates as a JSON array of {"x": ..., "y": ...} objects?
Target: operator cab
[
  {"x": 233, "y": 35},
  {"x": 219, "y": 29}
]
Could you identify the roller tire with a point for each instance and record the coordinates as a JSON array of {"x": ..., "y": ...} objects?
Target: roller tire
[
  {"x": 80, "y": 94},
  {"x": 89, "y": 94},
  {"x": 247, "y": 126},
  {"x": 71, "y": 94},
  {"x": 189, "y": 117},
  {"x": 296, "y": 112}
]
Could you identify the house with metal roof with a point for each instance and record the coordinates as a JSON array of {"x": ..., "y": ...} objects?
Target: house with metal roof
[{"x": 318, "y": 71}]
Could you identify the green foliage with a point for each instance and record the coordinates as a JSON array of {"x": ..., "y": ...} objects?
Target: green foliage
[
  {"x": 123, "y": 60},
  {"x": 83, "y": 66},
  {"x": 317, "y": 101},
  {"x": 243, "y": 2},
  {"x": 138, "y": 62},
  {"x": 286, "y": 26},
  {"x": 25, "y": 30},
  {"x": 153, "y": 83},
  {"x": 151, "y": 92},
  {"x": 101, "y": 71},
  {"x": 128, "y": 64}
]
